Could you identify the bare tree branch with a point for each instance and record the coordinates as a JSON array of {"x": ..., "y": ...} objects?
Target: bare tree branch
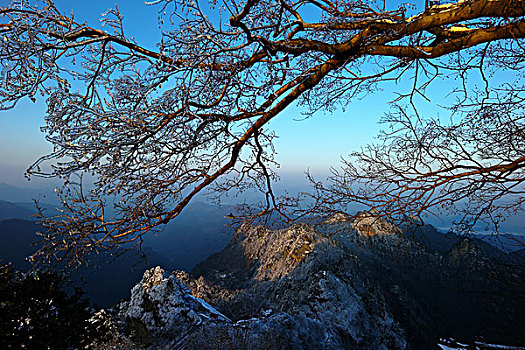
[{"x": 155, "y": 128}]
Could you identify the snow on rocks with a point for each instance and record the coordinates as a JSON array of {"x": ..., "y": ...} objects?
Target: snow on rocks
[{"x": 165, "y": 306}]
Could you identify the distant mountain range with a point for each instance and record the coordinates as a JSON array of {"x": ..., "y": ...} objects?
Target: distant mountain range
[
  {"x": 495, "y": 246},
  {"x": 26, "y": 195},
  {"x": 197, "y": 233}
]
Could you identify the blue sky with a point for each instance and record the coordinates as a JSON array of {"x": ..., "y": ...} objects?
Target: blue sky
[{"x": 316, "y": 143}]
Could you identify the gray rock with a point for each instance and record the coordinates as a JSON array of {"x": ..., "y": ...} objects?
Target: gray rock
[{"x": 165, "y": 307}]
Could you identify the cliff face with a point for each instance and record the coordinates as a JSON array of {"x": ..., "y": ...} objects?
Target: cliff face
[{"x": 342, "y": 285}]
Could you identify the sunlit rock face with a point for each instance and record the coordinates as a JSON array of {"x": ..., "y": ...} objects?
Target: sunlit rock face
[
  {"x": 278, "y": 253},
  {"x": 371, "y": 223}
]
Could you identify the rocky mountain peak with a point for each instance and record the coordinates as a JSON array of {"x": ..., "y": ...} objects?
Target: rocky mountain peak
[
  {"x": 152, "y": 277},
  {"x": 372, "y": 223},
  {"x": 466, "y": 247},
  {"x": 161, "y": 305},
  {"x": 338, "y": 217},
  {"x": 468, "y": 254}
]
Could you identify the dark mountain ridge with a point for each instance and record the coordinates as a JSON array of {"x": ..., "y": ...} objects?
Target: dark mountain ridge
[{"x": 9, "y": 210}]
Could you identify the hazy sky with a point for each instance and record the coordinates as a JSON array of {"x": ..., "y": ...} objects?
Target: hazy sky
[{"x": 316, "y": 143}]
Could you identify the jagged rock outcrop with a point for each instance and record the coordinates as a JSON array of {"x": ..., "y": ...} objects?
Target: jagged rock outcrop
[{"x": 160, "y": 306}]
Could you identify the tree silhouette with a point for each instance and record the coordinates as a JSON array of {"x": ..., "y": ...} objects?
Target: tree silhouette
[
  {"x": 38, "y": 311},
  {"x": 156, "y": 127}
]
